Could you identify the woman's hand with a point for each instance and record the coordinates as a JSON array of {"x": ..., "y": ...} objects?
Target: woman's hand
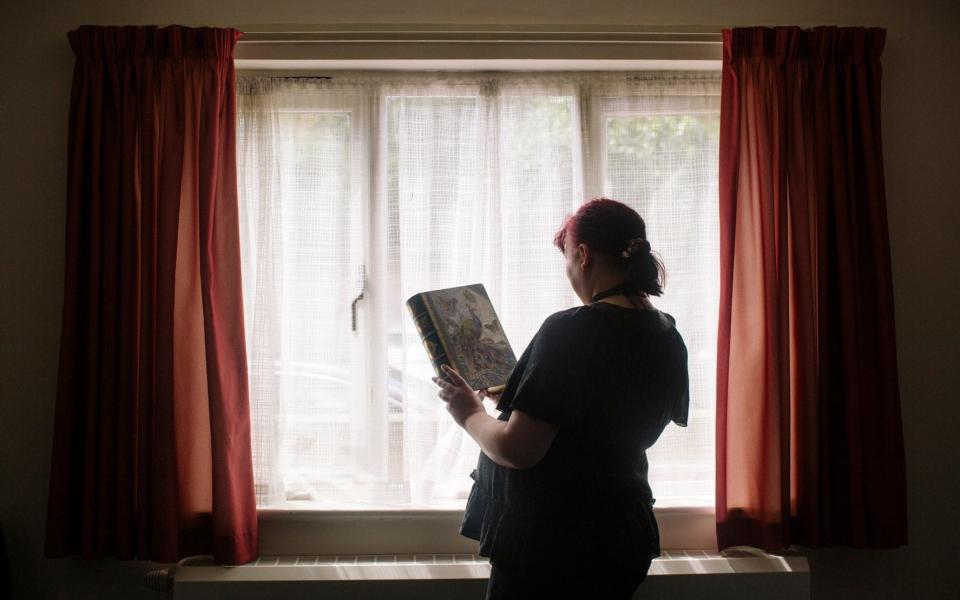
[
  {"x": 518, "y": 443},
  {"x": 462, "y": 402}
]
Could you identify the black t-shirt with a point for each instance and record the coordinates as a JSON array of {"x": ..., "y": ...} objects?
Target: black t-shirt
[{"x": 611, "y": 378}]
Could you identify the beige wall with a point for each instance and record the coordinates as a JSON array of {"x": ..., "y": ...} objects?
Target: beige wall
[{"x": 920, "y": 138}]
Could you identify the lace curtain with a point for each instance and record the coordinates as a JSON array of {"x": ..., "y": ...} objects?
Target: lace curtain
[{"x": 361, "y": 190}]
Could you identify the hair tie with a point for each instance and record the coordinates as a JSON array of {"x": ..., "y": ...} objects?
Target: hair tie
[{"x": 635, "y": 246}]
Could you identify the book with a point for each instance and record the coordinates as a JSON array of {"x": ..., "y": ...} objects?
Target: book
[{"x": 460, "y": 328}]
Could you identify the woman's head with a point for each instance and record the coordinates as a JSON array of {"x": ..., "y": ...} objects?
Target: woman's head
[{"x": 604, "y": 239}]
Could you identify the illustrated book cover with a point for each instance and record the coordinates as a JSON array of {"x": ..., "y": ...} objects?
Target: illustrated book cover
[{"x": 459, "y": 327}]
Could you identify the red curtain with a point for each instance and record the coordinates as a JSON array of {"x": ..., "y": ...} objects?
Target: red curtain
[
  {"x": 151, "y": 454},
  {"x": 809, "y": 435}
]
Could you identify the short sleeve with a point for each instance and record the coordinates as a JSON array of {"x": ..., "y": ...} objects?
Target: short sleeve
[
  {"x": 681, "y": 407},
  {"x": 550, "y": 384},
  {"x": 680, "y": 410}
]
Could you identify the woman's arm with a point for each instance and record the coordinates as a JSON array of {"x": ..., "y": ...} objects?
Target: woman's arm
[{"x": 519, "y": 443}]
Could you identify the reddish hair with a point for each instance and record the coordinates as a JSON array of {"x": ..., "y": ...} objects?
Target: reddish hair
[{"x": 606, "y": 227}]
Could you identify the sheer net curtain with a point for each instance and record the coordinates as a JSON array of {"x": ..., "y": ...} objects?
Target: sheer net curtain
[{"x": 379, "y": 186}]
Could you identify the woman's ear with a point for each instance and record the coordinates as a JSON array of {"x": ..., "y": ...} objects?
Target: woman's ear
[{"x": 584, "y": 257}]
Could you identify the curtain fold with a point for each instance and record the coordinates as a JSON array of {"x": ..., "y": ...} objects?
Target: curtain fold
[
  {"x": 809, "y": 433},
  {"x": 151, "y": 456}
]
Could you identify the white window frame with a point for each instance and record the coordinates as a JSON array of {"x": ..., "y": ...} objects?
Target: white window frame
[{"x": 309, "y": 52}]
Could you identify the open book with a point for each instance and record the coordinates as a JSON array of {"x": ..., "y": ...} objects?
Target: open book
[{"x": 459, "y": 327}]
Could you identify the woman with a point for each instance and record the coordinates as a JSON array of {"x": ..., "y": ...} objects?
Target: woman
[{"x": 561, "y": 503}]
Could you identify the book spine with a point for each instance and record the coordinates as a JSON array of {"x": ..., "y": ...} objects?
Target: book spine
[{"x": 428, "y": 334}]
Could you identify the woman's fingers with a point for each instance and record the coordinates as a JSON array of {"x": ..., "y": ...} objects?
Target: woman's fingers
[
  {"x": 459, "y": 397},
  {"x": 488, "y": 395},
  {"x": 457, "y": 378},
  {"x": 447, "y": 390},
  {"x": 444, "y": 388}
]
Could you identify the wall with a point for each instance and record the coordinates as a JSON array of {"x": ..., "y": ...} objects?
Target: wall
[{"x": 921, "y": 84}]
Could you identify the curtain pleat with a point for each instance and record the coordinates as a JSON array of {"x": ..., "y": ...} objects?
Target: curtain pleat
[
  {"x": 809, "y": 433},
  {"x": 152, "y": 454}
]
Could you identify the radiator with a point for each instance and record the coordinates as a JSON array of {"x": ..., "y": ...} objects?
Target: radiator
[{"x": 688, "y": 575}]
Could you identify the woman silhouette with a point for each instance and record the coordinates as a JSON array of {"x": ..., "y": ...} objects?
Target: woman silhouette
[{"x": 561, "y": 503}]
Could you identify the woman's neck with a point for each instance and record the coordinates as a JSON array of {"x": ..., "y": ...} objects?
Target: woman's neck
[
  {"x": 620, "y": 294},
  {"x": 640, "y": 302}
]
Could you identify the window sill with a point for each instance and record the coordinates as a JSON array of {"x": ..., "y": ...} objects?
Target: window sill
[{"x": 318, "y": 533}]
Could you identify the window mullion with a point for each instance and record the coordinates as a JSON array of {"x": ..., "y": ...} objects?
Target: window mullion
[
  {"x": 591, "y": 139},
  {"x": 373, "y": 454}
]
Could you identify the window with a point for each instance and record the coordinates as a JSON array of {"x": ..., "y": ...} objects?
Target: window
[{"x": 361, "y": 190}]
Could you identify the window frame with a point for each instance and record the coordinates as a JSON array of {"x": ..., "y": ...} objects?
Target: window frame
[
  {"x": 324, "y": 533},
  {"x": 294, "y": 52}
]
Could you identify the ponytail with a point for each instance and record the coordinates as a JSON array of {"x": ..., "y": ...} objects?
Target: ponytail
[{"x": 644, "y": 269}]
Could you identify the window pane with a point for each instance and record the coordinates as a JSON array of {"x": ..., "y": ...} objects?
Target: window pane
[
  {"x": 665, "y": 167},
  {"x": 436, "y": 189},
  {"x": 537, "y": 190},
  {"x": 477, "y": 186},
  {"x": 300, "y": 267}
]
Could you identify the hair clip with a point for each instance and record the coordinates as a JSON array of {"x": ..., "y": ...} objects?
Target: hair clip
[{"x": 634, "y": 246}]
